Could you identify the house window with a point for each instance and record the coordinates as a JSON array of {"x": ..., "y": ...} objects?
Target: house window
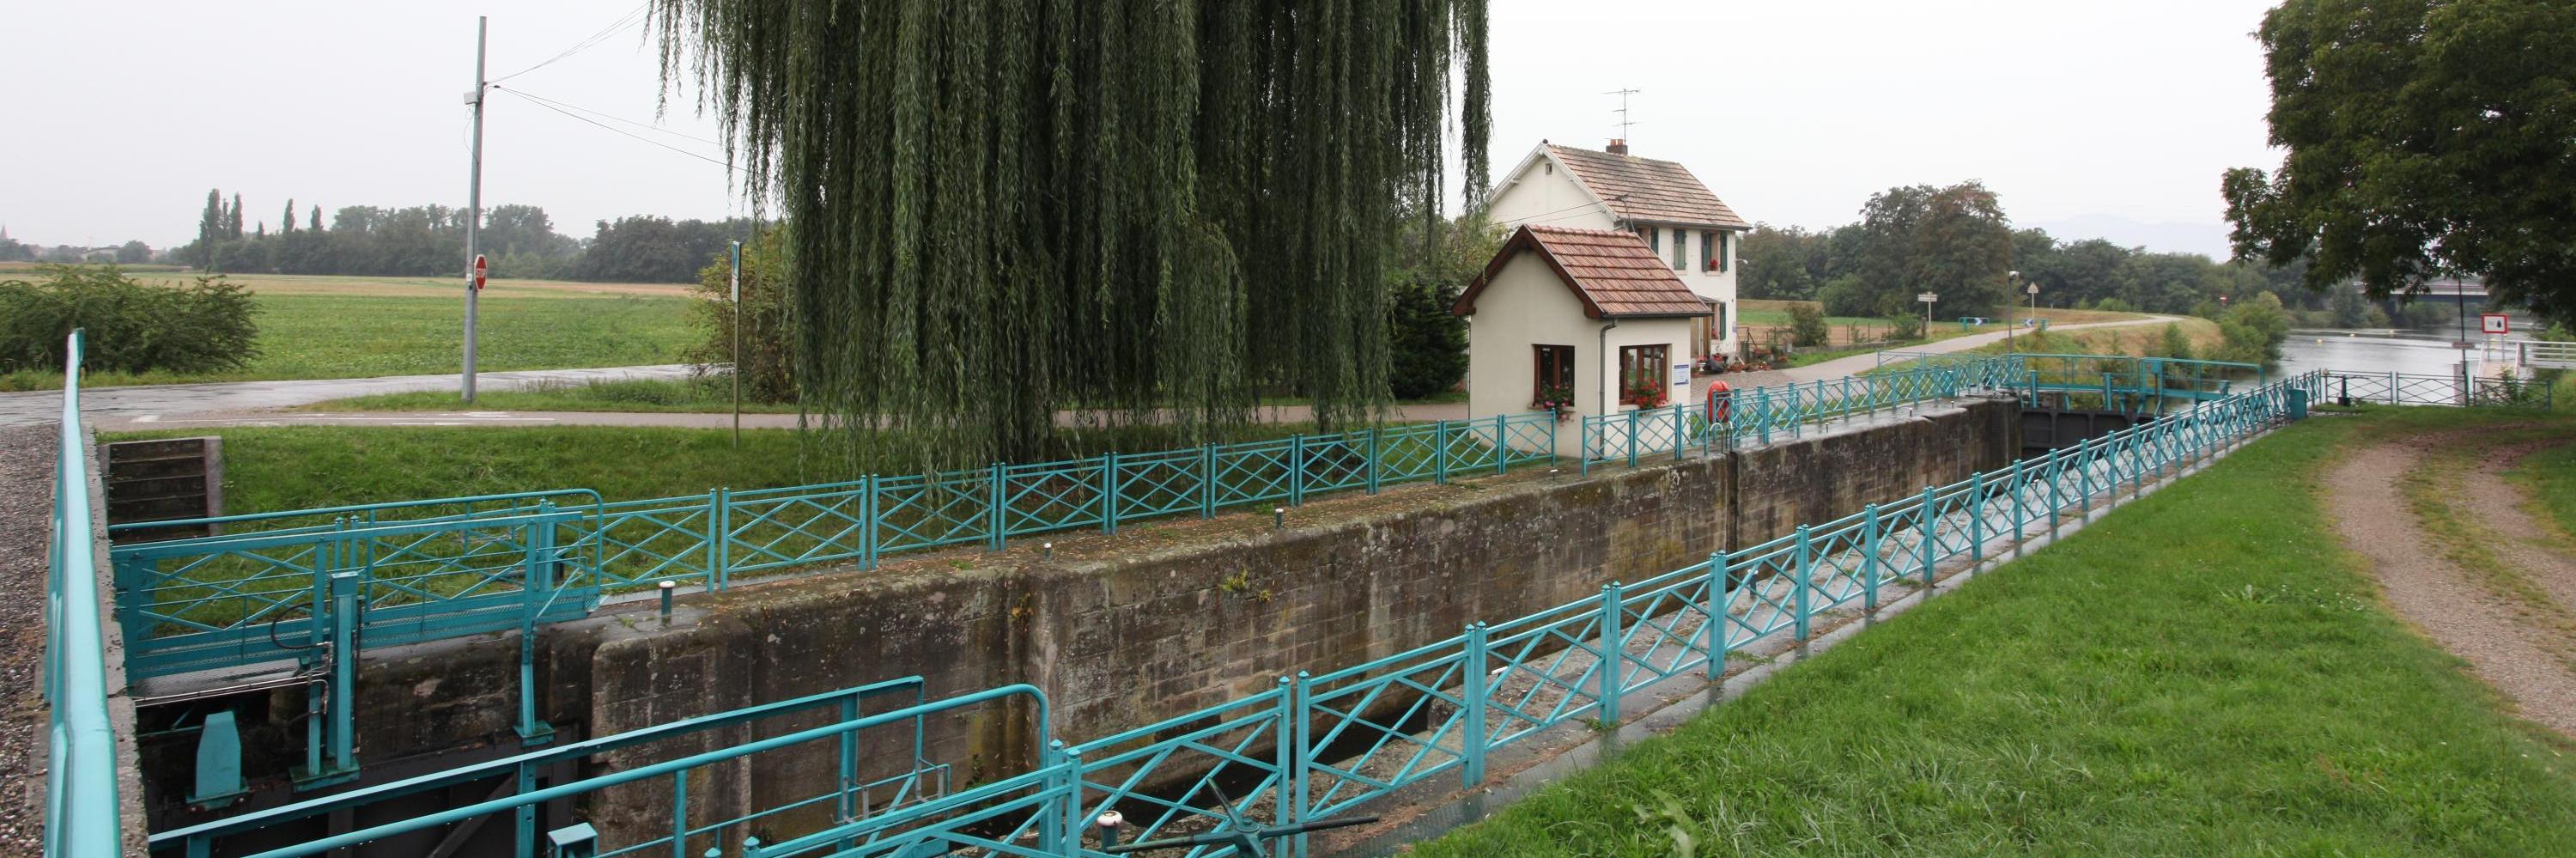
[
  {"x": 1725, "y": 248},
  {"x": 1681, "y": 246},
  {"x": 1708, "y": 251},
  {"x": 1553, "y": 380},
  {"x": 1654, "y": 238},
  {"x": 1717, "y": 326},
  {"x": 1641, "y": 376}
]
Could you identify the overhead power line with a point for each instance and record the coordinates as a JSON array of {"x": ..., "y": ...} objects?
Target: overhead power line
[
  {"x": 611, "y": 117},
  {"x": 625, "y": 133},
  {"x": 631, "y": 19}
]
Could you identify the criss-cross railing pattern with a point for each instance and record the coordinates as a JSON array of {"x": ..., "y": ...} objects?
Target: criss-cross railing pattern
[
  {"x": 1316, "y": 747},
  {"x": 1756, "y": 415}
]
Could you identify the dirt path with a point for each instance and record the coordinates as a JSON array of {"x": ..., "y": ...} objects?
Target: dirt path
[
  {"x": 2496, "y": 502},
  {"x": 2507, "y": 641}
]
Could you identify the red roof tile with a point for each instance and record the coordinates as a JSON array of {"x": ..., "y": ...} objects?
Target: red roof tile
[
  {"x": 1613, "y": 273},
  {"x": 1644, "y": 189}
]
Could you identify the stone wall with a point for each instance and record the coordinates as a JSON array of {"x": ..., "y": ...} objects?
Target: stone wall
[{"x": 1157, "y": 621}]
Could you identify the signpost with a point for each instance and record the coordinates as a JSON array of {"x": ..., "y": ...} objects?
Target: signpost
[
  {"x": 737, "y": 345},
  {"x": 2494, "y": 323},
  {"x": 1928, "y": 300}
]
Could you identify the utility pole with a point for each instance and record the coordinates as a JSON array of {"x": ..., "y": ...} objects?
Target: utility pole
[{"x": 474, "y": 203}]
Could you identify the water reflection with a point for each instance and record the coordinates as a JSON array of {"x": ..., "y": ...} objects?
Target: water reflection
[{"x": 2382, "y": 350}]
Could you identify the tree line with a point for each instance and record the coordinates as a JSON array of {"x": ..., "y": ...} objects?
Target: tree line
[
  {"x": 429, "y": 241},
  {"x": 1956, "y": 242}
]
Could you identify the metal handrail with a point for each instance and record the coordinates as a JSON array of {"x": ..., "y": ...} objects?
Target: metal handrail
[{"x": 82, "y": 817}]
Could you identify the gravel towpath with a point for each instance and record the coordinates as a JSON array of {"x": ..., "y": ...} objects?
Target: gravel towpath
[{"x": 2508, "y": 641}]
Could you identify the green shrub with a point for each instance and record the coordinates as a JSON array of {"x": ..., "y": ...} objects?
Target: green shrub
[
  {"x": 202, "y": 327},
  {"x": 768, "y": 350},
  {"x": 1807, "y": 324},
  {"x": 1426, "y": 344},
  {"x": 2176, "y": 344}
]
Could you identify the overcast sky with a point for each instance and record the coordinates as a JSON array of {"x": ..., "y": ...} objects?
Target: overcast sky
[{"x": 2089, "y": 117}]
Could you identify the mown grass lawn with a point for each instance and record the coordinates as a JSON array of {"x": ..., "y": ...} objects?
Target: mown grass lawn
[
  {"x": 353, "y": 335},
  {"x": 2206, "y": 672}
]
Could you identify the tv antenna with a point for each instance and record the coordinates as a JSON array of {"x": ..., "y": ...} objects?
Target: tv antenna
[{"x": 1624, "y": 121}]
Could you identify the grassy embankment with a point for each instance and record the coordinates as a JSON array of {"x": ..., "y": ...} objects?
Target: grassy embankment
[
  {"x": 2206, "y": 672},
  {"x": 357, "y": 327}
]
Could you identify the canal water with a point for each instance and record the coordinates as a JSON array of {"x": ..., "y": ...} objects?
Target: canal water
[{"x": 2382, "y": 350}]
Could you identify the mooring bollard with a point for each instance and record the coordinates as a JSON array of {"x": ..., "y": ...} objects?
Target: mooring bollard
[
  {"x": 1278, "y": 518},
  {"x": 667, "y": 587}
]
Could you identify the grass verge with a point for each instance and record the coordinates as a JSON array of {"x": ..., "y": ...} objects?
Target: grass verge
[
  {"x": 2205, "y": 672},
  {"x": 360, "y": 335},
  {"x": 690, "y": 395}
]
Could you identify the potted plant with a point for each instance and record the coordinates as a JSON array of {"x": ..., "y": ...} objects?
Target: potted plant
[
  {"x": 1645, "y": 393},
  {"x": 1556, "y": 399}
]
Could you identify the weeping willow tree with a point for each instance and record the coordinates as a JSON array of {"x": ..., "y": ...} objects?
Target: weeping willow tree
[{"x": 1150, "y": 209}]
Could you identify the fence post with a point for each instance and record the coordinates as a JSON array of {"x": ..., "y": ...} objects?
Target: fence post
[
  {"x": 1297, "y": 470},
  {"x": 1552, "y": 420},
  {"x": 1375, "y": 447},
  {"x": 1613, "y": 655},
  {"x": 1680, "y": 434},
  {"x": 1283, "y": 752},
  {"x": 868, "y": 523},
  {"x": 2137, "y": 467},
  {"x": 1977, "y": 517},
  {"x": 1797, "y": 420},
  {"x": 1440, "y": 452},
  {"x": 715, "y": 529},
  {"x": 2056, "y": 491},
  {"x": 1502, "y": 446},
  {"x": 1472, "y": 670},
  {"x": 2084, "y": 477},
  {"x": 1869, "y": 559},
  {"x": 997, "y": 521},
  {"x": 1061, "y": 831},
  {"x": 344, "y": 668},
  {"x": 1931, "y": 541},
  {"x": 1303, "y": 751},
  {"x": 1721, "y": 607},
  {"x": 1108, "y": 495},
  {"x": 1632, "y": 438},
  {"x": 1806, "y": 578},
  {"x": 1207, "y": 481},
  {"x": 1763, "y": 426}
]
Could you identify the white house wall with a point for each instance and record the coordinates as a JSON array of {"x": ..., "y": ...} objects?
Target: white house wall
[
  {"x": 1539, "y": 196},
  {"x": 1528, "y": 305}
]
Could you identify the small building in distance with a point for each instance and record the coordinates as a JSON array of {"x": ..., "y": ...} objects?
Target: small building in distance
[
  {"x": 1680, "y": 220},
  {"x": 1590, "y": 321}
]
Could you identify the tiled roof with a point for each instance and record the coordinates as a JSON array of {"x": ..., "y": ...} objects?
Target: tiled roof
[
  {"x": 1613, "y": 273},
  {"x": 1644, "y": 189}
]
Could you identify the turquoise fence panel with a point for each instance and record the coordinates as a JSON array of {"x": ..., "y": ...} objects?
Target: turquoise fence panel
[
  {"x": 82, "y": 817},
  {"x": 1165, "y": 483},
  {"x": 1255, "y": 473},
  {"x": 1244, "y": 744}
]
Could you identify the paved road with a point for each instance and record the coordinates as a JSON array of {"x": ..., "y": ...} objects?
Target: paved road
[
  {"x": 151, "y": 403},
  {"x": 272, "y": 403}
]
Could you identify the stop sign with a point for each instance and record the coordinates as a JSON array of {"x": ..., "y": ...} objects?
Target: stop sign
[{"x": 480, "y": 266}]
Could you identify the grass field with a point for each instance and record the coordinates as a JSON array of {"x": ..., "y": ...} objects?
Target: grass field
[
  {"x": 1760, "y": 313},
  {"x": 2206, "y": 672},
  {"x": 268, "y": 469},
  {"x": 643, "y": 395},
  {"x": 356, "y": 327}
]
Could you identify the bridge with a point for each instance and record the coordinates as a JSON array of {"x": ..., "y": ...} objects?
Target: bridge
[{"x": 362, "y": 612}]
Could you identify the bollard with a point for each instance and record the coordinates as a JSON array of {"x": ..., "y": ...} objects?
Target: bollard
[
  {"x": 1278, "y": 518},
  {"x": 577, "y": 840},
  {"x": 667, "y": 587},
  {"x": 1108, "y": 822}
]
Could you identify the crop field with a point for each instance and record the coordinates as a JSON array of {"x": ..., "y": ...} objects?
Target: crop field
[{"x": 358, "y": 327}]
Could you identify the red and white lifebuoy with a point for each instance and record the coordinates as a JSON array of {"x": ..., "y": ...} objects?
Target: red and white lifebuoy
[{"x": 1720, "y": 399}]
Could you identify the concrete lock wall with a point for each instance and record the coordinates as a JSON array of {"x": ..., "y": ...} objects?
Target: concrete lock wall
[{"x": 1181, "y": 619}]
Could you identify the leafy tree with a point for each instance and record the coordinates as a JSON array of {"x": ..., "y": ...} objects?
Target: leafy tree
[
  {"x": 2350, "y": 310},
  {"x": 767, "y": 366},
  {"x": 286, "y": 222},
  {"x": 234, "y": 214},
  {"x": 316, "y": 224},
  {"x": 1426, "y": 343},
  {"x": 210, "y": 227},
  {"x": 1779, "y": 263},
  {"x": 2253, "y": 329},
  {"x": 133, "y": 252},
  {"x": 2424, "y": 139},
  {"x": 202, "y": 327},
  {"x": 1962, "y": 249},
  {"x": 1845, "y": 296},
  {"x": 2176, "y": 344}
]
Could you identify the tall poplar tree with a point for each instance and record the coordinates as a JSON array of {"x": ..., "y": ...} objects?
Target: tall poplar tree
[{"x": 1007, "y": 207}]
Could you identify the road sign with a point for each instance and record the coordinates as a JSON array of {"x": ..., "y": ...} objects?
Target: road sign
[
  {"x": 2034, "y": 289},
  {"x": 481, "y": 267},
  {"x": 2494, "y": 323},
  {"x": 1927, "y": 297}
]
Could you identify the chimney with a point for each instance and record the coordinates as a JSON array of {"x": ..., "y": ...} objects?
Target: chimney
[{"x": 1618, "y": 146}]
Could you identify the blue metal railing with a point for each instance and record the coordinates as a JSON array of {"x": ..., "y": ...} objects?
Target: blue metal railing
[
  {"x": 81, "y": 811},
  {"x": 1318, "y": 745},
  {"x": 1758, "y": 414}
]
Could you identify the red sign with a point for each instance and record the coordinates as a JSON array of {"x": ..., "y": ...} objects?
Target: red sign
[
  {"x": 2494, "y": 323},
  {"x": 480, "y": 266}
]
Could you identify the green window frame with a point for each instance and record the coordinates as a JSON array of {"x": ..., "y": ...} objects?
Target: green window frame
[
  {"x": 1708, "y": 250},
  {"x": 1681, "y": 248},
  {"x": 1725, "y": 248}
]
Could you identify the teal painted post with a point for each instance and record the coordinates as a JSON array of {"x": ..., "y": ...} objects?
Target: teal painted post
[
  {"x": 1502, "y": 446},
  {"x": 1440, "y": 452},
  {"x": 1376, "y": 445},
  {"x": 1806, "y": 579},
  {"x": 1551, "y": 439},
  {"x": 1303, "y": 761},
  {"x": 680, "y": 814},
  {"x": 527, "y": 813},
  {"x": 2056, "y": 491},
  {"x": 1472, "y": 673},
  {"x": 1283, "y": 752},
  {"x": 1763, "y": 425},
  {"x": 1931, "y": 541},
  {"x": 1109, "y": 492},
  {"x": 1977, "y": 517},
  {"x": 2084, "y": 459},
  {"x": 849, "y": 760},
  {"x": 535, "y": 586},
  {"x": 344, "y": 670},
  {"x": 2137, "y": 466},
  {"x": 1632, "y": 439},
  {"x": 1066, "y": 813},
  {"x": 868, "y": 522},
  {"x": 720, "y": 507},
  {"x": 1720, "y": 607},
  {"x": 1297, "y": 470},
  {"x": 1680, "y": 435},
  {"x": 994, "y": 506},
  {"x": 1869, "y": 559},
  {"x": 715, "y": 540},
  {"x": 1207, "y": 481},
  {"x": 1613, "y": 653},
  {"x": 2020, "y": 517},
  {"x": 1797, "y": 419}
]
